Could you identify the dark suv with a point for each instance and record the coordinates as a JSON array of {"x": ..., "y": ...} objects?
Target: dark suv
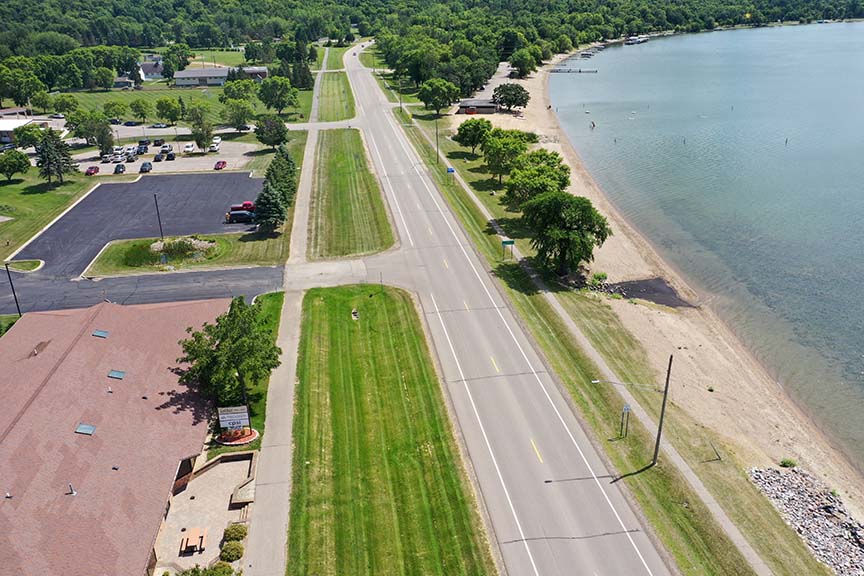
[{"x": 239, "y": 216}]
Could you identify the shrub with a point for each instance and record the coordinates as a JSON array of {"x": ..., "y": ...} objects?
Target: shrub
[
  {"x": 179, "y": 248},
  {"x": 788, "y": 463},
  {"x": 231, "y": 551},
  {"x": 139, "y": 254},
  {"x": 235, "y": 533}
]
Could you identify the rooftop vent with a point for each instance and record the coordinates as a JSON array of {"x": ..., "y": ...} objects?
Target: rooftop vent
[
  {"x": 86, "y": 429},
  {"x": 100, "y": 333},
  {"x": 116, "y": 374}
]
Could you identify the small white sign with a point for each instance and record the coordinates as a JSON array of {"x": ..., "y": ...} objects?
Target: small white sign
[{"x": 233, "y": 417}]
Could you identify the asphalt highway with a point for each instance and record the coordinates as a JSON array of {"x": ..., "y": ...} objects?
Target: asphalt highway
[{"x": 551, "y": 501}]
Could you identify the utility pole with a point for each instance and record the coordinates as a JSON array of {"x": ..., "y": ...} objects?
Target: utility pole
[
  {"x": 662, "y": 413},
  {"x": 158, "y": 217},
  {"x": 14, "y": 295},
  {"x": 400, "y": 93}
]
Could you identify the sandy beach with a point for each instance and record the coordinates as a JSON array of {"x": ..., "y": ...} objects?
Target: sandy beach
[{"x": 747, "y": 408}]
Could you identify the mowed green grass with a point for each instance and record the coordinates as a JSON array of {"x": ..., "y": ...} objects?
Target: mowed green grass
[
  {"x": 336, "y": 98},
  {"x": 209, "y": 95},
  {"x": 231, "y": 250},
  {"x": 6, "y": 322},
  {"x": 378, "y": 488},
  {"x": 347, "y": 213},
  {"x": 270, "y": 313},
  {"x": 335, "y": 56},
  {"x": 223, "y": 57}
]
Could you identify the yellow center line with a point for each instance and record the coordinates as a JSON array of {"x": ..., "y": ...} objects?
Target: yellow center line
[
  {"x": 466, "y": 305},
  {"x": 446, "y": 265},
  {"x": 430, "y": 230},
  {"x": 495, "y": 364},
  {"x": 536, "y": 451}
]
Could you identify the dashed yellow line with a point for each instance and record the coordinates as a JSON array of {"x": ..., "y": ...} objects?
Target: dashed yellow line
[
  {"x": 536, "y": 451},
  {"x": 466, "y": 305},
  {"x": 495, "y": 364},
  {"x": 446, "y": 265}
]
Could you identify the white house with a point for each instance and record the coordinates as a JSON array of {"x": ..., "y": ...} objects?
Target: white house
[
  {"x": 201, "y": 77},
  {"x": 8, "y": 125}
]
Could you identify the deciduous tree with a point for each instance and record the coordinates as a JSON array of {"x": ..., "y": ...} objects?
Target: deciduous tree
[
  {"x": 277, "y": 93},
  {"x": 271, "y": 131},
  {"x": 41, "y": 100},
  {"x": 437, "y": 94},
  {"x": 566, "y": 229},
  {"x": 511, "y": 95},
  {"x": 115, "y": 109},
  {"x": 523, "y": 62},
  {"x": 13, "y": 162},
  {"x": 102, "y": 77},
  {"x": 472, "y": 133},
  {"x": 65, "y": 103},
  {"x": 141, "y": 108},
  {"x": 238, "y": 90},
  {"x": 237, "y": 113},
  {"x": 168, "y": 110},
  {"x": 27, "y": 136},
  {"x": 500, "y": 154}
]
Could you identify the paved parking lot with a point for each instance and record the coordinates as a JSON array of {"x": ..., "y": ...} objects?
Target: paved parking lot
[
  {"x": 188, "y": 204},
  {"x": 236, "y": 154}
]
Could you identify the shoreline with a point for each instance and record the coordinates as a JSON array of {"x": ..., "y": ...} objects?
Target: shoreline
[{"x": 750, "y": 410}]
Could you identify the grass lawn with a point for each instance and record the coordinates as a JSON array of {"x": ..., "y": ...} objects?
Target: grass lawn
[
  {"x": 32, "y": 204},
  {"x": 377, "y": 487},
  {"x": 392, "y": 86},
  {"x": 271, "y": 309},
  {"x": 693, "y": 538},
  {"x": 264, "y": 156},
  {"x": 371, "y": 58},
  {"x": 223, "y": 57},
  {"x": 209, "y": 95},
  {"x": 347, "y": 215},
  {"x": 24, "y": 265},
  {"x": 337, "y": 100},
  {"x": 245, "y": 249},
  {"x": 319, "y": 60},
  {"x": 335, "y": 56},
  {"x": 6, "y": 322}
]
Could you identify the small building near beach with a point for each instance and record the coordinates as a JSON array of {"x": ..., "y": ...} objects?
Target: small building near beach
[
  {"x": 477, "y": 106},
  {"x": 96, "y": 434}
]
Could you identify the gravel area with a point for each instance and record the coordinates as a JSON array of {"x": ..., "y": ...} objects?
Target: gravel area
[{"x": 818, "y": 515}]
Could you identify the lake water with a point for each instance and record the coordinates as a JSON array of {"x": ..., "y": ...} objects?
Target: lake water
[{"x": 691, "y": 146}]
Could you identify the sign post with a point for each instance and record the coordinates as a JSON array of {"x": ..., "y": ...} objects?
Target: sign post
[
  {"x": 233, "y": 417},
  {"x": 504, "y": 243}
]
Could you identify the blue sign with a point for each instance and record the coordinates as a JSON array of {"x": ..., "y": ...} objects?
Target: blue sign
[{"x": 450, "y": 170}]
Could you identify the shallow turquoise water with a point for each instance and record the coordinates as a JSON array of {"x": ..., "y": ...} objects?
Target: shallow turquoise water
[{"x": 691, "y": 146}]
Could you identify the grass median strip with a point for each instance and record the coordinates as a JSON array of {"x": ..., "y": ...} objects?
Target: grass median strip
[
  {"x": 347, "y": 214},
  {"x": 377, "y": 487},
  {"x": 336, "y": 99},
  {"x": 199, "y": 251}
]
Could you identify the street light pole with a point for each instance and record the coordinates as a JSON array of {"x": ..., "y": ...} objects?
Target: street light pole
[
  {"x": 437, "y": 154},
  {"x": 158, "y": 217},
  {"x": 662, "y": 413},
  {"x": 14, "y": 295}
]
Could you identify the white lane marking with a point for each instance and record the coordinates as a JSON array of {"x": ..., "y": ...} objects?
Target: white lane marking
[
  {"x": 401, "y": 138},
  {"x": 392, "y": 191},
  {"x": 485, "y": 436}
]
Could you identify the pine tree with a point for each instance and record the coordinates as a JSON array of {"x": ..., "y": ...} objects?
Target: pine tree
[
  {"x": 270, "y": 209},
  {"x": 54, "y": 158},
  {"x": 282, "y": 175}
]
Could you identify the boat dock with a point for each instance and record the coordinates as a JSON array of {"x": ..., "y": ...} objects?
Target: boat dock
[{"x": 573, "y": 70}]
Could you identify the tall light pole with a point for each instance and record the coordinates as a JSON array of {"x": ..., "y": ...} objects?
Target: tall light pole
[
  {"x": 14, "y": 295},
  {"x": 662, "y": 408},
  {"x": 158, "y": 217},
  {"x": 437, "y": 154}
]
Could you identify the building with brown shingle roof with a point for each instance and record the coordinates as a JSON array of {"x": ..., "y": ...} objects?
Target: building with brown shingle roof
[{"x": 145, "y": 430}]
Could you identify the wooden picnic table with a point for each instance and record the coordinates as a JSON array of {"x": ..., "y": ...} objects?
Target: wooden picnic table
[{"x": 191, "y": 539}]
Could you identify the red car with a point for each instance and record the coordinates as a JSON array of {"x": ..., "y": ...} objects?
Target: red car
[
  {"x": 248, "y": 206},
  {"x": 220, "y": 165},
  {"x": 92, "y": 171}
]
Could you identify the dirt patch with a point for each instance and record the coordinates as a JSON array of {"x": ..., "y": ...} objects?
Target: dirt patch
[{"x": 656, "y": 290}]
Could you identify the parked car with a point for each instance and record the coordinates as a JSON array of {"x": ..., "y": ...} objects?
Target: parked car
[
  {"x": 220, "y": 165},
  {"x": 188, "y": 148},
  {"x": 106, "y": 159},
  {"x": 119, "y": 169},
  {"x": 114, "y": 121},
  {"x": 166, "y": 148},
  {"x": 145, "y": 167},
  {"x": 117, "y": 149},
  {"x": 159, "y": 125},
  {"x": 131, "y": 158},
  {"x": 170, "y": 156},
  {"x": 239, "y": 216},
  {"x": 117, "y": 158},
  {"x": 130, "y": 149},
  {"x": 142, "y": 150},
  {"x": 247, "y": 206},
  {"x": 6, "y": 147},
  {"x": 213, "y": 148},
  {"x": 158, "y": 142},
  {"x": 57, "y": 116},
  {"x": 130, "y": 123},
  {"x": 144, "y": 142},
  {"x": 92, "y": 171},
  {"x": 159, "y": 157},
  {"x": 217, "y": 140}
]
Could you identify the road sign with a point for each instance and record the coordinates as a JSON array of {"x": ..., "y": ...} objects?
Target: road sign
[
  {"x": 450, "y": 170},
  {"x": 626, "y": 408},
  {"x": 508, "y": 242},
  {"x": 233, "y": 417}
]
